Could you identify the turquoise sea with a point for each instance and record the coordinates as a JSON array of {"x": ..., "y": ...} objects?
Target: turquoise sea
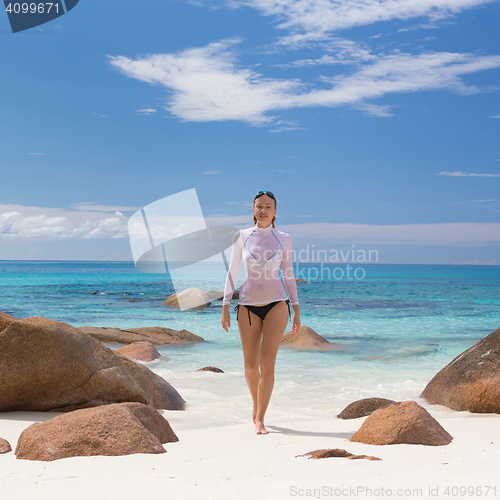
[{"x": 399, "y": 324}]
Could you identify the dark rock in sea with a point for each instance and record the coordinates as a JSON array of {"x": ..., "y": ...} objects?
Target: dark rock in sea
[
  {"x": 406, "y": 422},
  {"x": 132, "y": 300},
  {"x": 336, "y": 452},
  {"x": 47, "y": 365},
  {"x": 210, "y": 369},
  {"x": 307, "y": 338},
  {"x": 157, "y": 335},
  {"x": 4, "y": 446},
  {"x": 112, "y": 430},
  {"x": 471, "y": 382},
  {"x": 140, "y": 351},
  {"x": 363, "y": 407}
]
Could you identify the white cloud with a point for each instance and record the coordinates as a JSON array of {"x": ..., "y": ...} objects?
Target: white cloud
[
  {"x": 495, "y": 116},
  {"x": 376, "y": 110},
  {"x": 37, "y": 154},
  {"x": 17, "y": 221},
  {"x": 312, "y": 19},
  {"x": 286, "y": 126},
  {"x": 53, "y": 224},
  {"x": 492, "y": 262},
  {"x": 207, "y": 84},
  {"x": 146, "y": 111},
  {"x": 471, "y": 201},
  {"x": 324, "y": 234},
  {"x": 452, "y": 234},
  {"x": 459, "y": 173},
  {"x": 344, "y": 52},
  {"x": 96, "y": 207},
  {"x": 229, "y": 220},
  {"x": 212, "y": 172}
]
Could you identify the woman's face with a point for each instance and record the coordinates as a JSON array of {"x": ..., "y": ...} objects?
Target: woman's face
[{"x": 264, "y": 209}]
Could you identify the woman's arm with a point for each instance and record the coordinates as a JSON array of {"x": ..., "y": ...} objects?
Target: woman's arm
[
  {"x": 290, "y": 283},
  {"x": 295, "y": 319},
  {"x": 231, "y": 280}
]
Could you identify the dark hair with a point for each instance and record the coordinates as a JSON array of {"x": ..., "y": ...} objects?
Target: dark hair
[{"x": 271, "y": 195}]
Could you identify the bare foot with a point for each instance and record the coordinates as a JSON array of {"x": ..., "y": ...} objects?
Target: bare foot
[{"x": 260, "y": 429}]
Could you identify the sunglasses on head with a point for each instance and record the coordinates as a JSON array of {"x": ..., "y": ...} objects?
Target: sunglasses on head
[{"x": 262, "y": 193}]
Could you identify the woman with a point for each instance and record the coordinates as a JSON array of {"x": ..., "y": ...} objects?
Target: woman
[{"x": 263, "y": 307}]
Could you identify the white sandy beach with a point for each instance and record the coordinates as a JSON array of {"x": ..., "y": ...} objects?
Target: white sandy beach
[{"x": 217, "y": 459}]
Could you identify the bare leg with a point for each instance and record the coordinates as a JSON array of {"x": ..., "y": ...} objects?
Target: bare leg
[
  {"x": 272, "y": 331},
  {"x": 251, "y": 337},
  {"x": 260, "y": 342}
]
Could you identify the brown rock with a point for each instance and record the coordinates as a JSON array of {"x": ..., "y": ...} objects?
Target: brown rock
[
  {"x": 6, "y": 320},
  {"x": 471, "y": 382},
  {"x": 4, "y": 446},
  {"x": 157, "y": 335},
  {"x": 191, "y": 298},
  {"x": 112, "y": 430},
  {"x": 363, "y": 407},
  {"x": 300, "y": 280},
  {"x": 336, "y": 452},
  {"x": 307, "y": 338},
  {"x": 140, "y": 351},
  {"x": 47, "y": 365},
  {"x": 210, "y": 369},
  {"x": 405, "y": 422},
  {"x": 132, "y": 300}
]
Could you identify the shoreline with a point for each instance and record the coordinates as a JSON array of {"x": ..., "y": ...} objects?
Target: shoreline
[{"x": 219, "y": 459}]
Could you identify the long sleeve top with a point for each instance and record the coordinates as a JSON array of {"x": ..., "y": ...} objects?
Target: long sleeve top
[{"x": 263, "y": 252}]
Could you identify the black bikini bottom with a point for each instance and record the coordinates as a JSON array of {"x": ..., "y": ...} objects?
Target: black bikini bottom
[{"x": 260, "y": 311}]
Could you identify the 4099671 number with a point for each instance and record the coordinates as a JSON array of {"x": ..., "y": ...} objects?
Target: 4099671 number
[{"x": 32, "y": 8}]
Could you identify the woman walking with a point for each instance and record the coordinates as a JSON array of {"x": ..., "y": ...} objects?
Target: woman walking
[{"x": 263, "y": 306}]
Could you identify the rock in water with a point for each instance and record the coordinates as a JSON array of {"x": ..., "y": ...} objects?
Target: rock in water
[
  {"x": 47, "y": 365},
  {"x": 363, "y": 407},
  {"x": 307, "y": 338},
  {"x": 112, "y": 430},
  {"x": 214, "y": 295},
  {"x": 157, "y": 335},
  {"x": 191, "y": 298},
  {"x": 471, "y": 382},
  {"x": 210, "y": 369},
  {"x": 398, "y": 423},
  {"x": 140, "y": 351},
  {"x": 4, "y": 446}
]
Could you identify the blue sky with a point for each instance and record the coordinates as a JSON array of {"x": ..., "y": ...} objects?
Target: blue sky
[{"x": 375, "y": 123}]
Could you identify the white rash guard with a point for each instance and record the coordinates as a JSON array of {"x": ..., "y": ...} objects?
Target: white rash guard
[{"x": 262, "y": 252}]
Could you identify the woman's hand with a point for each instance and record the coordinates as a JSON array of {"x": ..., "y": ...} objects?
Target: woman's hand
[
  {"x": 225, "y": 318},
  {"x": 295, "y": 319}
]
